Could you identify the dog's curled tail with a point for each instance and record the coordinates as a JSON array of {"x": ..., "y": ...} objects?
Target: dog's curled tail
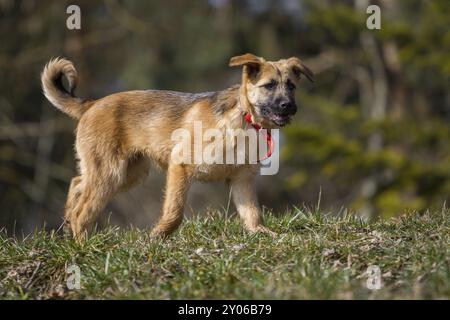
[{"x": 54, "y": 91}]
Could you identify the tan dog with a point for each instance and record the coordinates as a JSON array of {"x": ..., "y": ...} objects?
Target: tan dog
[{"x": 120, "y": 135}]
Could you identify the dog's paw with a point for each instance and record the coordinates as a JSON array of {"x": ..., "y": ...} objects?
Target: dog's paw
[
  {"x": 81, "y": 237},
  {"x": 157, "y": 234},
  {"x": 263, "y": 229}
]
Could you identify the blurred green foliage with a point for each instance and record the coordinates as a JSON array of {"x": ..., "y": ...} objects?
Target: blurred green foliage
[{"x": 411, "y": 167}]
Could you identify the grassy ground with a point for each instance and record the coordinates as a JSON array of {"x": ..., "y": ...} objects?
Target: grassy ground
[{"x": 211, "y": 257}]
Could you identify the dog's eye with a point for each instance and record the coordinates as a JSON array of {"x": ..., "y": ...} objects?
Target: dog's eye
[
  {"x": 290, "y": 86},
  {"x": 270, "y": 86}
]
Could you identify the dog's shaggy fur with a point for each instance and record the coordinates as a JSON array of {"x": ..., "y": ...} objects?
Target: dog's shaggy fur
[{"x": 120, "y": 135}]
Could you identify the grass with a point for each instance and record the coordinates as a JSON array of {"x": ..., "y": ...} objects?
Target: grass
[{"x": 313, "y": 257}]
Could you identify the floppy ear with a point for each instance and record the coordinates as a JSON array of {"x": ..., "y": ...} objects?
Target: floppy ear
[
  {"x": 298, "y": 68},
  {"x": 251, "y": 62},
  {"x": 245, "y": 59}
]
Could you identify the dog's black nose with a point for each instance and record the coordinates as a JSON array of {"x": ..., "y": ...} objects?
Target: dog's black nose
[
  {"x": 288, "y": 107},
  {"x": 285, "y": 105}
]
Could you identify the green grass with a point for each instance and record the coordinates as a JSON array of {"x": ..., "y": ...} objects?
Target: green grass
[{"x": 313, "y": 257}]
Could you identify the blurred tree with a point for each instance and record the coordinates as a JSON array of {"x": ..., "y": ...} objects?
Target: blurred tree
[{"x": 378, "y": 72}]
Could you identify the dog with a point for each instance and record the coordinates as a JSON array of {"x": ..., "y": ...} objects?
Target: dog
[{"x": 120, "y": 136}]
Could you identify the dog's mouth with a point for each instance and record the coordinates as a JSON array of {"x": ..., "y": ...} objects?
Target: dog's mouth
[
  {"x": 275, "y": 118},
  {"x": 279, "y": 119}
]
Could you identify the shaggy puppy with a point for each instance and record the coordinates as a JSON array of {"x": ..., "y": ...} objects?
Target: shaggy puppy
[{"x": 119, "y": 136}]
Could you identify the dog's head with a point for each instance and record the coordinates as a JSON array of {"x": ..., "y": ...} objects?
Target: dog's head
[{"x": 269, "y": 87}]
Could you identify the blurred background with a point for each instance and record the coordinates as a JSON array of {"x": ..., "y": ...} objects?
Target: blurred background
[{"x": 371, "y": 136}]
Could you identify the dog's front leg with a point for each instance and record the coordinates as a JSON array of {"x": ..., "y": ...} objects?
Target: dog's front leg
[
  {"x": 177, "y": 185},
  {"x": 246, "y": 202}
]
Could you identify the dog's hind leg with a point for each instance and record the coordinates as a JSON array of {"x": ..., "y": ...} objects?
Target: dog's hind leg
[
  {"x": 97, "y": 189},
  {"x": 177, "y": 186},
  {"x": 72, "y": 200}
]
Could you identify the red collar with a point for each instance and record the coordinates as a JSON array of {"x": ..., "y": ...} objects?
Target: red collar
[{"x": 267, "y": 135}]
